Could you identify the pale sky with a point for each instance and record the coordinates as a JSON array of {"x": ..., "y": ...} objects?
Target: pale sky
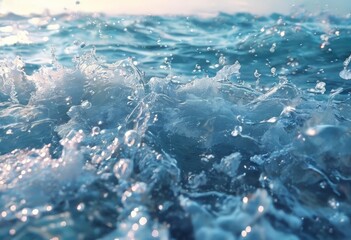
[{"x": 201, "y": 7}]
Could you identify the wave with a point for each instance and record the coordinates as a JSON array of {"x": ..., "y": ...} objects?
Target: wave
[{"x": 95, "y": 148}]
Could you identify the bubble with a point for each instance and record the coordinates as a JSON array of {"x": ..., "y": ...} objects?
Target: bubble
[
  {"x": 123, "y": 168},
  {"x": 131, "y": 138}
]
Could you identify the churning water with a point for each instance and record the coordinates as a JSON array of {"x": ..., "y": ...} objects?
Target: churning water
[{"x": 155, "y": 127}]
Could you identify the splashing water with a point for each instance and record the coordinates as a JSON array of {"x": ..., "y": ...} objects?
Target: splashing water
[
  {"x": 229, "y": 127},
  {"x": 346, "y": 73}
]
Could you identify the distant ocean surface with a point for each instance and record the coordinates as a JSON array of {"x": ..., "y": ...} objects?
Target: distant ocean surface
[{"x": 235, "y": 126}]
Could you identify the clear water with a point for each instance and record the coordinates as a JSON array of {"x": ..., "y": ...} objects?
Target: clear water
[{"x": 229, "y": 127}]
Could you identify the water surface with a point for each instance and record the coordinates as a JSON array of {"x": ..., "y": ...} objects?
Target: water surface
[{"x": 153, "y": 127}]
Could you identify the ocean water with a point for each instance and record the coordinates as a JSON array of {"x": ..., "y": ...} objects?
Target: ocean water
[{"x": 233, "y": 126}]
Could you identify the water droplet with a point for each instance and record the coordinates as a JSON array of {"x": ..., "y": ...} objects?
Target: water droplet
[
  {"x": 24, "y": 211},
  {"x": 319, "y": 88},
  {"x": 3, "y": 214},
  {"x": 135, "y": 227},
  {"x": 272, "y": 120},
  {"x": 35, "y": 211},
  {"x": 260, "y": 208},
  {"x": 237, "y": 131},
  {"x": 131, "y": 138},
  {"x": 323, "y": 184},
  {"x": 333, "y": 203},
  {"x": 12, "y": 231},
  {"x": 257, "y": 74},
  {"x": 9, "y": 132},
  {"x": 86, "y": 104},
  {"x": 155, "y": 233},
  {"x": 80, "y": 207},
  {"x": 272, "y": 49},
  {"x": 142, "y": 221},
  {"x": 222, "y": 60},
  {"x": 95, "y": 131},
  {"x": 240, "y": 118},
  {"x": 273, "y": 71},
  {"x": 123, "y": 168}
]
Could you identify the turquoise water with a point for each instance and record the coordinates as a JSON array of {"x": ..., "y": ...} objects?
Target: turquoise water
[{"x": 151, "y": 127}]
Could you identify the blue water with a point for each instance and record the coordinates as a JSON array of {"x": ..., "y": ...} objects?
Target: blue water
[{"x": 151, "y": 127}]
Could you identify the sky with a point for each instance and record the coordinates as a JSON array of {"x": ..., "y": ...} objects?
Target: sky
[{"x": 201, "y": 7}]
